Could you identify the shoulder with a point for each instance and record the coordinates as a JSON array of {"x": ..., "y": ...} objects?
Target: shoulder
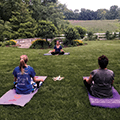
[
  {"x": 110, "y": 71},
  {"x": 16, "y": 68},
  {"x": 55, "y": 46},
  {"x": 30, "y": 68},
  {"x": 95, "y": 71}
]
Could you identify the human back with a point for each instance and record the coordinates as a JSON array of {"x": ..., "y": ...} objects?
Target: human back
[
  {"x": 100, "y": 81},
  {"x": 102, "y": 86},
  {"x": 22, "y": 74}
]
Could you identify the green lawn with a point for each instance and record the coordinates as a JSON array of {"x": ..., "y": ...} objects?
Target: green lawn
[
  {"x": 100, "y": 26},
  {"x": 60, "y": 100}
]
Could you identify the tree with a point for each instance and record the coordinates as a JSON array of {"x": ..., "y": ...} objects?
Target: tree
[
  {"x": 22, "y": 24},
  {"x": 46, "y": 29},
  {"x": 1, "y": 30},
  {"x": 71, "y": 34},
  {"x": 90, "y": 35},
  {"x": 101, "y": 14},
  {"x": 107, "y": 35},
  {"x": 82, "y": 31},
  {"x": 49, "y": 12},
  {"x": 4, "y": 30}
]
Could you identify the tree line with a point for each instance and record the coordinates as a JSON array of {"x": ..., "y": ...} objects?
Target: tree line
[{"x": 86, "y": 14}]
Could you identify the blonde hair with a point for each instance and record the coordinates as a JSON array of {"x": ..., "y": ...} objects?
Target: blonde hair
[{"x": 23, "y": 61}]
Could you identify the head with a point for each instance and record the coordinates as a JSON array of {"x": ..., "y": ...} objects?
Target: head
[
  {"x": 103, "y": 61},
  {"x": 23, "y": 62},
  {"x": 57, "y": 43}
]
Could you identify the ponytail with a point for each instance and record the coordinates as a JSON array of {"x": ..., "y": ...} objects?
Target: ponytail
[
  {"x": 23, "y": 61},
  {"x": 22, "y": 64}
]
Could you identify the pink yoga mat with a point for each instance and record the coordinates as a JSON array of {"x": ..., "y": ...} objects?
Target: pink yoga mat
[{"x": 11, "y": 97}]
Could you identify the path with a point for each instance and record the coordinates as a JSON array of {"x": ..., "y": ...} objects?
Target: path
[{"x": 25, "y": 43}]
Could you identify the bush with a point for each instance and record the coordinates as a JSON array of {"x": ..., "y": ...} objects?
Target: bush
[
  {"x": 3, "y": 45},
  {"x": 40, "y": 43},
  {"x": 71, "y": 34},
  {"x": 10, "y": 42},
  {"x": 78, "y": 42},
  {"x": 90, "y": 35},
  {"x": 108, "y": 35},
  {"x": 82, "y": 31},
  {"x": 0, "y": 44}
]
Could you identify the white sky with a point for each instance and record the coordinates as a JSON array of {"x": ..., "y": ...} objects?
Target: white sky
[{"x": 90, "y": 4}]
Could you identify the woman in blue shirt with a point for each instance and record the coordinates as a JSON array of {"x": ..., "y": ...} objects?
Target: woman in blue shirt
[
  {"x": 57, "y": 49},
  {"x": 22, "y": 75}
]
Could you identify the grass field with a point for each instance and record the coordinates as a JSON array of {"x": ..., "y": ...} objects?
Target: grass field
[
  {"x": 100, "y": 26},
  {"x": 60, "y": 100}
]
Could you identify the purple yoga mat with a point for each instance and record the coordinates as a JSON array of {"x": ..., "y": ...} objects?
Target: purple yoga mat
[
  {"x": 105, "y": 102},
  {"x": 11, "y": 97}
]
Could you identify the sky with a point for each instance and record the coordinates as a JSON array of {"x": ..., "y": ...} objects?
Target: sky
[{"x": 90, "y": 4}]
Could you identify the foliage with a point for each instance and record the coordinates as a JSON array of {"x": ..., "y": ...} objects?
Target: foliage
[
  {"x": 86, "y": 14},
  {"x": 23, "y": 26},
  {"x": 0, "y": 44},
  {"x": 10, "y": 42},
  {"x": 90, "y": 35},
  {"x": 71, "y": 34},
  {"x": 48, "y": 11},
  {"x": 40, "y": 43},
  {"x": 46, "y": 29},
  {"x": 79, "y": 42},
  {"x": 82, "y": 31}
]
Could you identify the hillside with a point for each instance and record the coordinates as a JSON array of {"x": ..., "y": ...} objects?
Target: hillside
[{"x": 100, "y": 26}]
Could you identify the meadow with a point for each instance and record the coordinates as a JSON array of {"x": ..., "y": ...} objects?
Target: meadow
[
  {"x": 60, "y": 100},
  {"x": 100, "y": 26}
]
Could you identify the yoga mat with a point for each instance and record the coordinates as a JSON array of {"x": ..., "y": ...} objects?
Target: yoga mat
[
  {"x": 12, "y": 98},
  {"x": 51, "y": 54},
  {"x": 105, "y": 102}
]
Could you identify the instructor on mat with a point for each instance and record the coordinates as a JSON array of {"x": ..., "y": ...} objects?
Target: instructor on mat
[{"x": 57, "y": 49}]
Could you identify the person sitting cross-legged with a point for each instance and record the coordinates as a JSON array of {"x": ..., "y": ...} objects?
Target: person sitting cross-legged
[
  {"x": 100, "y": 81},
  {"x": 57, "y": 49},
  {"x": 22, "y": 77}
]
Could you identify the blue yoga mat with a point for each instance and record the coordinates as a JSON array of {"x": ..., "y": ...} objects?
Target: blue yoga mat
[
  {"x": 51, "y": 54},
  {"x": 105, "y": 102}
]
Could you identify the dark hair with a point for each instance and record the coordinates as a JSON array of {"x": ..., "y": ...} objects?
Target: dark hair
[{"x": 103, "y": 61}]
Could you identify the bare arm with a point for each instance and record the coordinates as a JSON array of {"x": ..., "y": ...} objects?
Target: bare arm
[
  {"x": 112, "y": 82},
  {"x": 53, "y": 50},
  {"x": 89, "y": 81},
  {"x": 15, "y": 79},
  {"x": 62, "y": 50},
  {"x": 37, "y": 80}
]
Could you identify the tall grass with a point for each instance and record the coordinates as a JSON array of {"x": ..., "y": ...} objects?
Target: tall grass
[
  {"x": 100, "y": 26},
  {"x": 60, "y": 100}
]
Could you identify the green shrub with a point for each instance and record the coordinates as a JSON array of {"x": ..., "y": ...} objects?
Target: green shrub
[
  {"x": 69, "y": 45},
  {"x": 71, "y": 34},
  {"x": 7, "y": 43},
  {"x": 78, "y": 42},
  {"x": 0, "y": 44},
  {"x": 3, "y": 45},
  {"x": 40, "y": 43},
  {"x": 82, "y": 31},
  {"x": 10, "y": 42}
]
